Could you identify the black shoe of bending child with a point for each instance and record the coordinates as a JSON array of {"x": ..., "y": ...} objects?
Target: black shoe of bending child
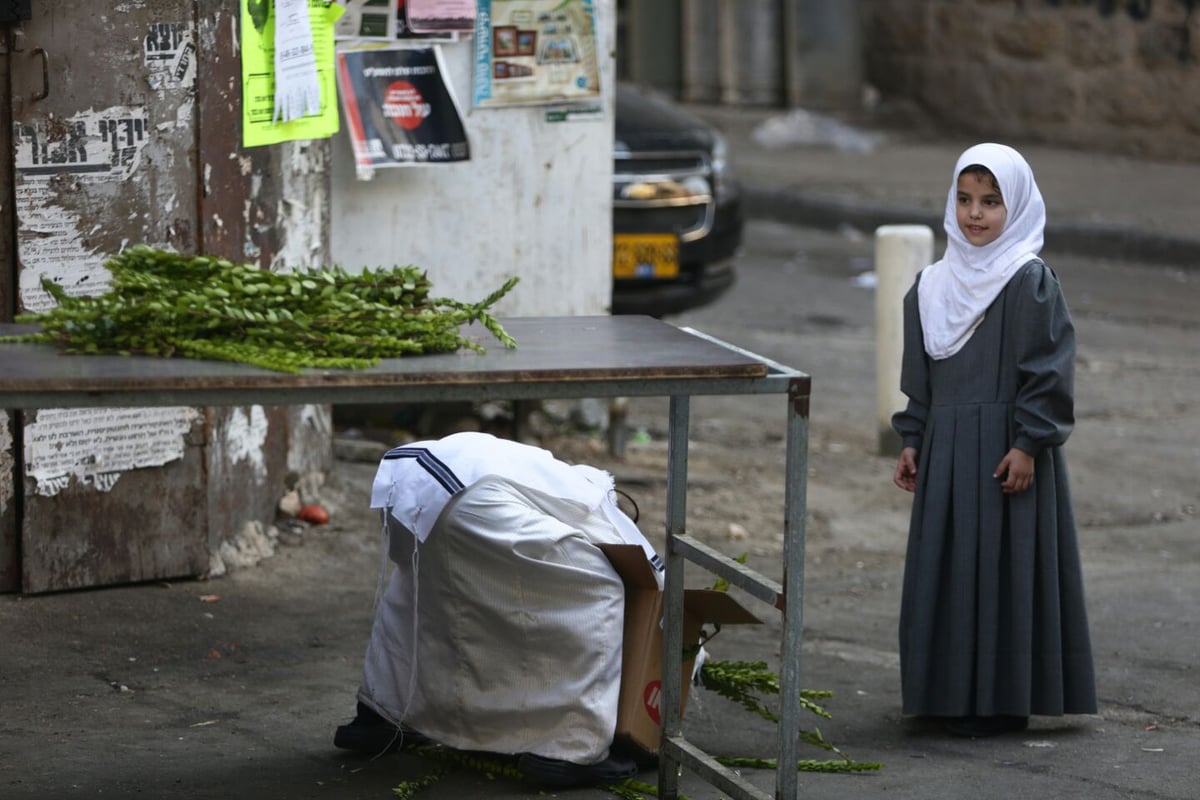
[
  {"x": 625, "y": 749},
  {"x": 979, "y": 727},
  {"x": 372, "y": 735},
  {"x": 554, "y": 772}
]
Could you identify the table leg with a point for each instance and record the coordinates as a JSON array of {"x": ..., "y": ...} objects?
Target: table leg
[
  {"x": 795, "y": 511},
  {"x": 672, "y": 661}
]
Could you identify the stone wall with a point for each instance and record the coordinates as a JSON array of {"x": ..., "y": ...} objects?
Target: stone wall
[{"x": 1118, "y": 75}]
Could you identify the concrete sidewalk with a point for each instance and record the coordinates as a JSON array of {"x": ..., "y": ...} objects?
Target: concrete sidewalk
[{"x": 894, "y": 168}]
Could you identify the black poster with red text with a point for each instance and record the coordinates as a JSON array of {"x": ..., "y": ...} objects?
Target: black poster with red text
[{"x": 399, "y": 110}]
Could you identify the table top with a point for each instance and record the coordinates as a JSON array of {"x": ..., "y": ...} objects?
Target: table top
[{"x": 555, "y": 356}]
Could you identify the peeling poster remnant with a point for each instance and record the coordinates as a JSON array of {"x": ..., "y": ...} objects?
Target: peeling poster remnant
[
  {"x": 97, "y": 445},
  {"x": 246, "y": 437},
  {"x": 169, "y": 52},
  {"x": 7, "y": 489},
  {"x": 58, "y": 157}
]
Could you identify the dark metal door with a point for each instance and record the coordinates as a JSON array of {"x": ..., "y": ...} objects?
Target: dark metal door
[
  {"x": 104, "y": 127},
  {"x": 10, "y": 578}
]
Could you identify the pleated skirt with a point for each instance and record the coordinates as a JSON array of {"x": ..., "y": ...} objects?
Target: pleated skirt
[{"x": 993, "y": 618}]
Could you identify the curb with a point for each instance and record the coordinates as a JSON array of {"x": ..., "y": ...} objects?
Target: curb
[{"x": 831, "y": 212}]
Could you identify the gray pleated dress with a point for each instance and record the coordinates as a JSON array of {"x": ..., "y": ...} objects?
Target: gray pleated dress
[{"x": 992, "y": 619}]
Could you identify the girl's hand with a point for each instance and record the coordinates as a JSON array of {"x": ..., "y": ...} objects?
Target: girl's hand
[
  {"x": 1019, "y": 468},
  {"x": 906, "y": 470}
]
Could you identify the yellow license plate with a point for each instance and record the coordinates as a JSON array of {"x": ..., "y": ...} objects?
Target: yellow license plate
[{"x": 645, "y": 255}]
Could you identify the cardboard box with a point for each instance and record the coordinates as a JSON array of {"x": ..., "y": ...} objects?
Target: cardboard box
[{"x": 638, "y": 715}]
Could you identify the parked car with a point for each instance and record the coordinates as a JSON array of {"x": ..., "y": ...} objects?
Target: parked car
[{"x": 677, "y": 210}]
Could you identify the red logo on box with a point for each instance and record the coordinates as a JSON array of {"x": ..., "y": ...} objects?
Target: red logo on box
[{"x": 650, "y": 697}]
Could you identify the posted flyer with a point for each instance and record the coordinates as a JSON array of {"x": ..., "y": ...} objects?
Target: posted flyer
[
  {"x": 399, "y": 109},
  {"x": 259, "y": 124},
  {"x": 535, "y": 52}
]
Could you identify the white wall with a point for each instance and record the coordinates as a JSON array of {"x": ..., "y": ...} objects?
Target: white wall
[{"x": 534, "y": 201}]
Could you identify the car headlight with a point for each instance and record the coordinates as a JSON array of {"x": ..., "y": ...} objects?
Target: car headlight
[{"x": 722, "y": 173}]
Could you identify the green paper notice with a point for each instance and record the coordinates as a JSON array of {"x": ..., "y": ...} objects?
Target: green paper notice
[{"x": 258, "y": 75}]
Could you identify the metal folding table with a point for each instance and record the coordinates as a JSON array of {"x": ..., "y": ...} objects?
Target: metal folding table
[{"x": 556, "y": 357}]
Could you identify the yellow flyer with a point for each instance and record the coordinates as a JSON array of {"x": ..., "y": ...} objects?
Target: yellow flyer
[{"x": 258, "y": 75}]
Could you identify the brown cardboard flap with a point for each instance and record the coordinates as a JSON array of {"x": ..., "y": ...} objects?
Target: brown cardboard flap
[
  {"x": 630, "y": 562},
  {"x": 705, "y": 605},
  {"x": 709, "y": 605}
]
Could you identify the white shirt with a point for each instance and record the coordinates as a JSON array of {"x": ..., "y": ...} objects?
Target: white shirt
[{"x": 414, "y": 482}]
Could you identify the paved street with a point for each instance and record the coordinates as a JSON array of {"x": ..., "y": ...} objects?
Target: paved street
[{"x": 148, "y": 691}]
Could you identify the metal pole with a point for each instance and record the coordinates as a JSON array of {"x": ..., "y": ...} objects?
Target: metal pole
[
  {"x": 671, "y": 703},
  {"x": 700, "y": 48},
  {"x": 652, "y": 40},
  {"x": 795, "y": 511},
  {"x": 751, "y": 52},
  {"x": 822, "y": 54}
]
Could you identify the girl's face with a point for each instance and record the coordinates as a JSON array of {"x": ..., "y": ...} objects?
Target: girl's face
[{"x": 980, "y": 209}]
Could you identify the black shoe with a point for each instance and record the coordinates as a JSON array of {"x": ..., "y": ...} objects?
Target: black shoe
[
  {"x": 373, "y": 735},
  {"x": 980, "y": 727},
  {"x": 625, "y": 749},
  {"x": 554, "y": 772},
  {"x": 919, "y": 724}
]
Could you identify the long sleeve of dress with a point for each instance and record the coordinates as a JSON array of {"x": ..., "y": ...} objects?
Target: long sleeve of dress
[
  {"x": 1044, "y": 349},
  {"x": 914, "y": 377}
]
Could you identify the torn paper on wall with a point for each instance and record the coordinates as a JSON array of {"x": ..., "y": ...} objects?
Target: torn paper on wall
[
  {"x": 246, "y": 438},
  {"x": 297, "y": 85},
  {"x": 7, "y": 464},
  {"x": 169, "y": 52},
  {"x": 55, "y": 158},
  {"x": 95, "y": 446}
]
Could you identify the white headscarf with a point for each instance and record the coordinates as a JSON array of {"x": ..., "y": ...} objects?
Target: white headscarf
[{"x": 955, "y": 292}]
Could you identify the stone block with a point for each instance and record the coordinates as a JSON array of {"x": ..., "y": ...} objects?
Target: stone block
[
  {"x": 965, "y": 94},
  {"x": 1094, "y": 42},
  {"x": 1189, "y": 112},
  {"x": 1133, "y": 100},
  {"x": 956, "y": 33},
  {"x": 896, "y": 26},
  {"x": 1163, "y": 46},
  {"x": 1032, "y": 37},
  {"x": 1047, "y": 95}
]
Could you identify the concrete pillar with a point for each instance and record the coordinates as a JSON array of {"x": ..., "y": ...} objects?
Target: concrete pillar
[
  {"x": 901, "y": 251},
  {"x": 822, "y": 54},
  {"x": 751, "y": 45},
  {"x": 701, "y": 51}
]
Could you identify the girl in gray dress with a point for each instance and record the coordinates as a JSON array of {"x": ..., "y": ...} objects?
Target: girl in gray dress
[{"x": 993, "y": 626}]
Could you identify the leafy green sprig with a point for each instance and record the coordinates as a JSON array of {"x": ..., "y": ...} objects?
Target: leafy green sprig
[{"x": 166, "y": 304}]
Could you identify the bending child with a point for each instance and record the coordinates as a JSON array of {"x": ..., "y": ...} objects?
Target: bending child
[{"x": 993, "y": 626}]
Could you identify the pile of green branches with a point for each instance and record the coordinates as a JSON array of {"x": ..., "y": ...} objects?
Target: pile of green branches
[
  {"x": 747, "y": 683},
  {"x": 166, "y": 304},
  {"x": 744, "y": 682}
]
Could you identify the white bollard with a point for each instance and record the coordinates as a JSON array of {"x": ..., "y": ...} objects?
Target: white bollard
[{"x": 901, "y": 251}]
